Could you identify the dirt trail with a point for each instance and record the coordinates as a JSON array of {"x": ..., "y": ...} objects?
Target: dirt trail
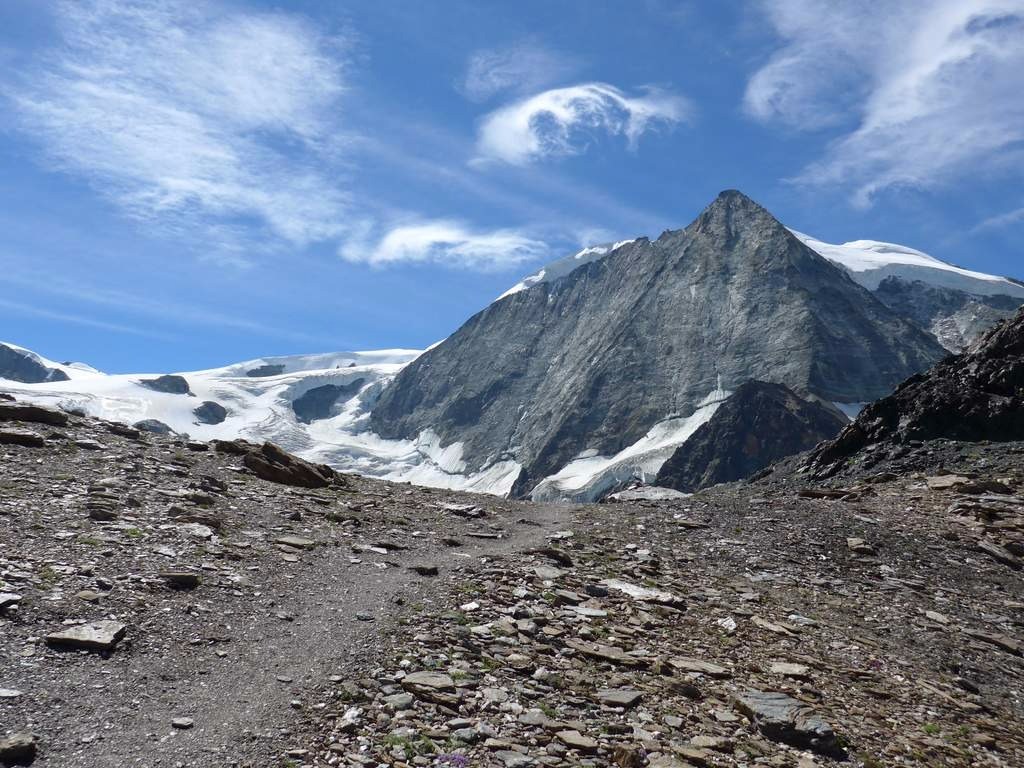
[{"x": 295, "y": 586}]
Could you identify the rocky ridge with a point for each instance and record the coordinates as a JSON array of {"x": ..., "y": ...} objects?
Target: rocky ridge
[
  {"x": 978, "y": 395},
  {"x": 758, "y": 425}
]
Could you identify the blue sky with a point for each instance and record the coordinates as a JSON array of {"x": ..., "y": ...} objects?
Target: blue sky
[{"x": 190, "y": 184}]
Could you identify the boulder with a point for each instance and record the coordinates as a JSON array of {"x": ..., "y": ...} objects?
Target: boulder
[
  {"x": 22, "y": 437},
  {"x": 272, "y": 463},
  {"x": 18, "y": 749},
  {"x": 784, "y": 719},
  {"x": 95, "y": 636},
  {"x": 318, "y": 402},
  {"x": 265, "y": 370},
  {"x": 209, "y": 412},
  {"x": 36, "y": 414},
  {"x": 154, "y": 426},
  {"x": 171, "y": 384}
]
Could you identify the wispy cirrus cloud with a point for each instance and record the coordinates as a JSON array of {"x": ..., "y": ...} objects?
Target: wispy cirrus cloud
[
  {"x": 557, "y": 122},
  {"x": 448, "y": 242},
  {"x": 523, "y": 67},
  {"x": 192, "y": 115},
  {"x": 924, "y": 91},
  {"x": 1001, "y": 221}
]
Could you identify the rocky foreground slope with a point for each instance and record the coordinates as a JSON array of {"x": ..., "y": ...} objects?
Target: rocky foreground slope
[{"x": 162, "y": 604}]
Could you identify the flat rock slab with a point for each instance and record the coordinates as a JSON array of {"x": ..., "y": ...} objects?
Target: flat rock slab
[
  {"x": 619, "y": 697},
  {"x": 945, "y": 482},
  {"x": 786, "y": 669},
  {"x": 576, "y": 740},
  {"x": 32, "y": 413},
  {"x": 295, "y": 542},
  {"x": 434, "y": 681},
  {"x": 23, "y": 437},
  {"x": 784, "y": 719},
  {"x": 700, "y": 667},
  {"x": 97, "y": 636},
  {"x": 645, "y": 594}
]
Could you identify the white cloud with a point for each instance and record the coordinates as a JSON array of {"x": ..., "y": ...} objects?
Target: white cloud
[
  {"x": 556, "y": 122},
  {"x": 523, "y": 67},
  {"x": 927, "y": 91},
  {"x": 189, "y": 114},
  {"x": 446, "y": 242},
  {"x": 1003, "y": 220}
]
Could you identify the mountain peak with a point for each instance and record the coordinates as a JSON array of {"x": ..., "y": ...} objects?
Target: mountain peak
[{"x": 732, "y": 211}]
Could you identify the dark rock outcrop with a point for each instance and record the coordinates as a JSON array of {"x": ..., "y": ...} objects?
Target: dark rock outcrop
[
  {"x": 278, "y": 466},
  {"x": 758, "y": 425},
  {"x": 318, "y": 402},
  {"x": 23, "y": 437},
  {"x": 169, "y": 383},
  {"x": 26, "y": 367},
  {"x": 37, "y": 414},
  {"x": 154, "y": 426},
  {"x": 593, "y": 360},
  {"x": 209, "y": 412},
  {"x": 978, "y": 395},
  {"x": 956, "y": 318},
  {"x": 265, "y": 370}
]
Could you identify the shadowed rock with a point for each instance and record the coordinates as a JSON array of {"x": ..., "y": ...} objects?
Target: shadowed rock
[
  {"x": 265, "y": 370},
  {"x": 26, "y": 367},
  {"x": 272, "y": 463},
  {"x": 784, "y": 719},
  {"x": 32, "y": 413},
  {"x": 209, "y": 412},
  {"x": 978, "y": 395},
  {"x": 154, "y": 426},
  {"x": 318, "y": 403},
  {"x": 760, "y": 424},
  {"x": 171, "y": 384},
  {"x": 22, "y": 437}
]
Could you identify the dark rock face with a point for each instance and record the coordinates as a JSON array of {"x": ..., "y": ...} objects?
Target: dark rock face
[
  {"x": 760, "y": 424},
  {"x": 37, "y": 414},
  {"x": 18, "y": 365},
  {"x": 978, "y": 395},
  {"x": 169, "y": 383},
  {"x": 265, "y": 370},
  {"x": 318, "y": 402},
  {"x": 278, "y": 466},
  {"x": 955, "y": 317},
  {"x": 209, "y": 412},
  {"x": 155, "y": 426},
  {"x": 592, "y": 361}
]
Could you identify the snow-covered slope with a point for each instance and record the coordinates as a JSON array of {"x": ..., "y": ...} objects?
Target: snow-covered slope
[
  {"x": 563, "y": 266},
  {"x": 869, "y": 262},
  {"x": 260, "y": 407}
]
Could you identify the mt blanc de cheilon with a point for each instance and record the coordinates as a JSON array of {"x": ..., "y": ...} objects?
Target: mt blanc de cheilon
[{"x": 586, "y": 376}]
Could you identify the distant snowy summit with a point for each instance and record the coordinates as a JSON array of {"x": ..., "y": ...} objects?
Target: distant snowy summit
[{"x": 871, "y": 262}]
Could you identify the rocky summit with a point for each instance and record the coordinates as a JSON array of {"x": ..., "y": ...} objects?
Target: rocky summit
[
  {"x": 550, "y": 373},
  {"x": 167, "y": 602}
]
